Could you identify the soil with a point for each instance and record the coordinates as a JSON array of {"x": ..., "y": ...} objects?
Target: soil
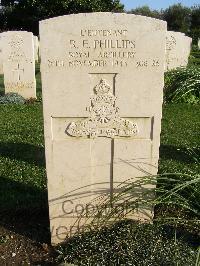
[{"x": 25, "y": 238}]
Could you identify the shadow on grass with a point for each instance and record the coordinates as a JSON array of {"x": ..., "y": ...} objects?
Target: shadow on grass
[
  {"x": 130, "y": 243},
  {"x": 24, "y": 210},
  {"x": 176, "y": 154},
  {"x": 23, "y": 152}
]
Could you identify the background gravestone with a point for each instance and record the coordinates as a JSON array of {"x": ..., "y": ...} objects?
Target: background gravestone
[
  {"x": 19, "y": 63},
  {"x": 1, "y": 55},
  {"x": 36, "y": 48},
  {"x": 102, "y": 94},
  {"x": 178, "y": 48}
]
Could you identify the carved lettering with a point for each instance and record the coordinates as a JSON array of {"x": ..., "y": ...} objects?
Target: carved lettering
[
  {"x": 98, "y": 53},
  {"x": 85, "y": 44},
  {"x": 88, "y": 63},
  {"x": 79, "y": 54},
  {"x": 103, "y": 32},
  {"x": 73, "y": 44},
  {"x": 113, "y": 54},
  {"x": 121, "y": 63},
  {"x": 113, "y": 44},
  {"x": 155, "y": 63},
  {"x": 170, "y": 43},
  {"x": 55, "y": 63},
  {"x": 16, "y": 52},
  {"x": 19, "y": 85},
  {"x": 142, "y": 63}
]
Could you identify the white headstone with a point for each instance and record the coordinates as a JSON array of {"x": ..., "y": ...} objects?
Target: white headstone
[
  {"x": 36, "y": 48},
  {"x": 19, "y": 63},
  {"x": 178, "y": 48},
  {"x": 1, "y": 55},
  {"x": 102, "y": 81}
]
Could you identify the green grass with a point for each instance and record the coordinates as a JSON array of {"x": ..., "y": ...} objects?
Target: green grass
[
  {"x": 22, "y": 163},
  {"x": 182, "y": 85},
  {"x": 22, "y": 159},
  {"x": 180, "y": 132},
  {"x": 38, "y": 81},
  {"x": 194, "y": 58},
  {"x": 128, "y": 243}
]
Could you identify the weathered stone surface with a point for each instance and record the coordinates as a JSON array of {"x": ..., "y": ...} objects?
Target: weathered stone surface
[
  {"x": 1, "y": 55},
  {"x": 178, "y": 48},
  {"x": 102, "y": 83},
  {"x": 36, "y": 48},
  {"x": 19, "y": 64}
]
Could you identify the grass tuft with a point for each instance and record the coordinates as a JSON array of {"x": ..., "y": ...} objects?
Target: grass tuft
[{"x": 182, "y": 85}]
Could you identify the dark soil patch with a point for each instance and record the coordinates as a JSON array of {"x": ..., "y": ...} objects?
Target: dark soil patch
[{"x": 25, "y": 239}]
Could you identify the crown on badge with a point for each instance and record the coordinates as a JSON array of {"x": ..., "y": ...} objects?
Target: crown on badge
[{"x": 102, "y": 88}]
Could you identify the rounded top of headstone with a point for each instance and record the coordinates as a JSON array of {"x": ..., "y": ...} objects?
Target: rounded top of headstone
[
  {"x": 118, "y": 17},
  {"x": 176, "y": 33},
  {"x": 19, "y": 32}
]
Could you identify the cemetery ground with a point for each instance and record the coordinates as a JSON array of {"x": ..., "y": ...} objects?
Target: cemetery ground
[{"x": 24, "y": 226}]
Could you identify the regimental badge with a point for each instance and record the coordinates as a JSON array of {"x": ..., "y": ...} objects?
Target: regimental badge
[{"x": 103, "y": 119}]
